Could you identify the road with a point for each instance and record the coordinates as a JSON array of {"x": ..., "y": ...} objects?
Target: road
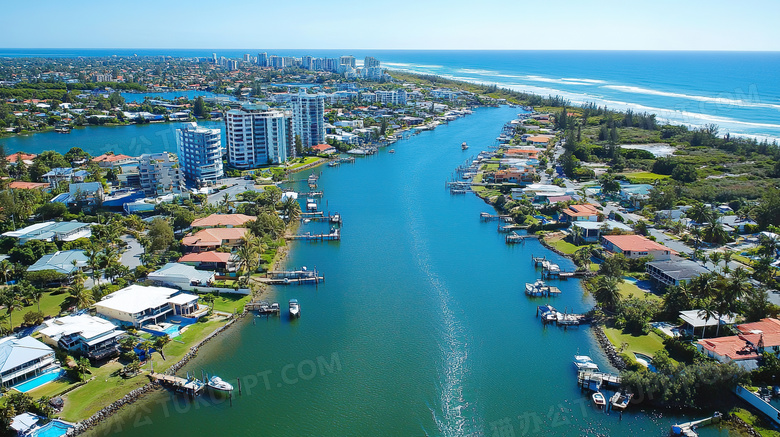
[
  {"x": 239, "y": 185},
  {"x": 131, "y": 257}
]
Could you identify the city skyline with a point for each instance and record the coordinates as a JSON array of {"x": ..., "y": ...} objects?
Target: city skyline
[{"x": 497, "y": 25}]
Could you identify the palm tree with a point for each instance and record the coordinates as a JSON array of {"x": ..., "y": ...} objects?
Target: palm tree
[
  {"x": 80, "y": 296},
  {"x": 715, "y": 257},
  {"x": 225, "y": 203},
  {"x": 12, "y": 303},
  {"x": 291, "y": 209},
  {"x": 727, "y": 254},
  {"x": 700, "y": 213},
  {"x": 93, "y": 259},
  {"x": 577, "y": 233},
  {"x": 160, "y": 343},
  {"x": 708, "y": 311},
  {"x": 714, "y": 233},
  {"x": 696, "y": 233},
  {"x": 5, "y": 268},
  {"x": 35, "y": 294},
  {"x": 82, "y": 367},
  {"x": 582, "y": 257},
  {"x": 606, "y": 291},
  {"x": 249, "y": 255}
]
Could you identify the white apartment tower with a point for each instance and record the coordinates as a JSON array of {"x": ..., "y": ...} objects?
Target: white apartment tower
[
  {"x": 160, "y": 174},
  {"x": 257, "y": 135},
  {"x": 370, "y": 62},
  {"x": 200, "y": 154},
  {"x": 309, "y": 117}
]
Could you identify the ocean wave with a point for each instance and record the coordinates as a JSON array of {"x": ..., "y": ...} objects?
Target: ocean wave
[
  {"x": 477, "y": 71},
  {"x": 716, "y": 100},
  {"x": 576, "y": 79}
]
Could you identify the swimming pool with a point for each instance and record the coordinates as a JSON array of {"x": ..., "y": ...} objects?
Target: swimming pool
[
  {"x": 39, "y": 380},
  {"x": 55, "y": 428}
]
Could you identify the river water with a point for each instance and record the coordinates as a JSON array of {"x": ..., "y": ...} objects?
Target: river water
[{"x": 420, "y": 328}]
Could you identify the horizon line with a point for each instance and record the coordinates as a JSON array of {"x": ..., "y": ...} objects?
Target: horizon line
[{"x": 403, "y": 49}]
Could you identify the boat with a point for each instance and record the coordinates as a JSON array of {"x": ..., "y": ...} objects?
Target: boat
[
  {"x": 582, "y": 358},
  {"x": 218, "y": 384},
  {"x": 464, "y": 146},
  {"x": 306, "y": 220},
  {"x": 392, "y": 150},
  {"x": 620, "y": 400},
  {"x": 311, "y": 205},
  {"x": 599, "y": 399},
  {"x": 538, "y": 288},
  {"x": 295, "y": 309},
  {"x": 62, "y": 130},
  {"x": 583, "y": 362},
  {"x": 274, "y": 307}
]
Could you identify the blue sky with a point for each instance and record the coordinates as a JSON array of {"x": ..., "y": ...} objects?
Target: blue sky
[{"x": 402, "y": 24}]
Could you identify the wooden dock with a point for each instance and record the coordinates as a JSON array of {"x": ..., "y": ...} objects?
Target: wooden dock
[
  {"x": 588, "y": 379},
  {"x": 286, "y": 277},
  {"x": 331, "y": 218},
  {"x": 311, "y": 215},
  {"x": 688, "y": 429},
  {"x": 487, "y": 217},
  {"x": 311, "y": 194},
  {"x": 263, "y": 307},
  {"x": 192, "y": 387},
  {"x": 335, "y": 235},
  {"x": 514, "y": 237}
]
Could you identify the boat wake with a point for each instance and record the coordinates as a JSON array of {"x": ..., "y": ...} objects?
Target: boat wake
[{"x": 454, "y": 415}]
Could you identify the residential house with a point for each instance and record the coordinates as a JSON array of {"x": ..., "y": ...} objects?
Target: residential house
[
  {"x": 514, "y": 175},
  {"x": 136, "y": 305},
  {"x": 27, "y": 158},
  {"x": 65, "y": 262},
  {"x": 23, "y": 358},
  {"x": 213, "y": 238},
  {"x": 636, "y": 246},
  {"x": 736, "y": 223},
  {"x": 181, "y": 276},
  {"x": 220, "y": 261},
  {"x": 93, "y": 337},
  {"x": 52, "y": 231},
  {"x": 223, "y": 220},
  {"x": 635, "y": 194},
  {"x": 323, "y": 149},
  {"x": 580, "y": 212},
  {"x": 60, "y": 174},
  {"x": 522, "y": 153},
  {"x": 747, "y": 347},
  {"x": 89, "y": 193},
  {"x": 20, "y": 185},
  {"x": 539, "y": 140},
  {"x": 674, "y": 271},
  {"x": 591, "y": 231},
  {"x": 111, "y": 160}
]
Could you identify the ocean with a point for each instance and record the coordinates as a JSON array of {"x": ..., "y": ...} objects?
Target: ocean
[{"x": 738, "y": 91}]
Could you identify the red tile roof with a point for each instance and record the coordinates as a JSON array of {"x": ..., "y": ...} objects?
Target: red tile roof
[
  {"x": 323, "y": 147},
  {"x": 25, "y": 157},
  {"x": 110, "y": 158},
  {"x": 582, "y": 210},
  {"x": 635, "y": 243},
  {"x": 213, "y": 237},
  {"x": 215, "y": 220},
  {"x": 735, "y": 347},
  {"x": 19, "y": 185},
  {"x": 206, "y": 257},
  {"x": 767, "y": 326}
]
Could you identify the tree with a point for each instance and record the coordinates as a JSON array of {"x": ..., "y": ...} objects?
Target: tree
[
  {"x": 160, "y": 343},
  {"x": 614, "y": 266},
  {"x": 52, "y": 210},
  {"x": 12, "y": 303},
  {"x": 291, "y": 209},
  {"x": 582, "y": 258},
  {"x": 80, "y": 296},
  {"x": 160, "y": 234},
  {"x": 199, "y": 108},
  {"x": 82, "y": 368},
  {"x": 714, "y": 233},
  {"x": 685, "y": 173},
  {"x": 608, "y": 184},
  {"x": 35, "y": 294},
  {"x": 145, "y": 346},
  {"x": 700, "y": 213},
  {"x": 606, "y": 292},
  {"x": 298, "y": 146}
]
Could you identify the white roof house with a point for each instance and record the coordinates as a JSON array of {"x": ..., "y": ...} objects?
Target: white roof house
[
  {"x": 136, "y": 304},
  {"x": 61, "y": 262},
  {"x": 52, "y": 231},
  {"x": 181, "y": 276},
  {"x": 22, "y": 358},
  {"x": 698, "y": 319},
  {"x": 91, "y": 336},
  {"x": 24, "y": 422}
]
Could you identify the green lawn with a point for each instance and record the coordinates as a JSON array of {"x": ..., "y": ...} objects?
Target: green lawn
[
  {"x": 627, "y": 288},
  {"x": 644, "y": 344},
  {"x": 306, "y": 161},
  {"x": 563, "y": 246},
  {"x": 490, "y": 167},
  {"x": 50, "y": 306},
  {"x": 644, "y": 177},
  {"x": 231, "y": 303}
]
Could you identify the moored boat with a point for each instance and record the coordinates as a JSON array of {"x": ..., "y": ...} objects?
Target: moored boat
[
  {"x": 464, "y": 146},
  {"x": 295, "y": 309},
  {"x": 620, "y": 400},
  {"x": 583, "y": 362},
  {"x": 538, "y": 288},
  {"x": 599, "y": 399},
  {"x": 219, "y": 384}
]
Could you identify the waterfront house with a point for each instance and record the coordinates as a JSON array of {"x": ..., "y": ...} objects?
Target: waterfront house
[
  {"x": 220, "y": 261},
  {"x": 52, "y": 231},
  {"x": 61, "y": 262},
  {"x": 636, "y": 246},
  {"x": 89, "y": 193},
  {"x": 136, "y": 305},
  {"x": 514, "y": 175},
  {"x": 62, "y": 174},
  {"x": 110, "y": 160},
  {"x": 93, "y": 337},
  {"x": 635, "y": 194},
  {"x": 27, "y": 158},
  {"x": 580, "y": 212},
  {"x": 23, "y": 358},
  {"x": 522, "y": 153},
  {"x": 323, "y": 149},
  {"x": 591, "y": 231},
  {"x": 674, "y": 271},
  {"x": 181, "y": 276},
  {"x": 223, "y": 220},
  {"x": 214, "y": 238},
  {"x": 742, "y": 349},
  {"x": 539, "y": 140}
]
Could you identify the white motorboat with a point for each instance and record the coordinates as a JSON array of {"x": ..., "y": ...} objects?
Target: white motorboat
[
  {"x": 311, "y": 205},
  {"x": 582, "y": 359},
  {"x": 587, "y": 366},
  {"x": 538, "y": 288},
  {"x": 218, "y": 384},
  {"x": 295, "y": 309},
  {"x": 464, "y": 146}
]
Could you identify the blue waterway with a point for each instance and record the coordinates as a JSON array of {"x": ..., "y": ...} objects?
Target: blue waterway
[{"x": 738, "y": 91}]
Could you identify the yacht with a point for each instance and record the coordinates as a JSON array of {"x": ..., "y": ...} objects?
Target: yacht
[
  {"x": 311, "y": 205},
  {"x": 218, "y": 384},
  {"x": 583, "y": 362},
  {"x": 464, "y": 146},
  {"x": 538, "y": 288},
  {"x": 295, "y": 309}
]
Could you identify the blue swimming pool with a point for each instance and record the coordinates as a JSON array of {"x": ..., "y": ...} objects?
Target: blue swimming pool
[
  {"x": 39, "y": 380},
  {"x": 55, "y": 428}
]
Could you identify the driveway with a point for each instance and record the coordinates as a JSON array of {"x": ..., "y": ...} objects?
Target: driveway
[
  {"x": 669, "y": 242},
  {"x": 131, "y": 257},
  {"x": 235, "y": 186}
]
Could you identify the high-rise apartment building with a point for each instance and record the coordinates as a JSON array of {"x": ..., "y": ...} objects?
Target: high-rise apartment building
[
  {"x": 348, "y": 61},
  {"x": 257, "y": 135},
  {"x": 309, "y": 117},
  {"x": 160, "y": 174},
  {"x": 262, "y": 59},
  {"x": 200, "y": 154},
  {"x": 370, "y": 62}
]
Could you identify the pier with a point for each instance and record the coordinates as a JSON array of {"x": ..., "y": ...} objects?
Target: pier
[
  {"x": 487, "y": 217},
  {"x": 263, "y": 307},
  {"x": 192, "y": 387},
  {"x": 514, "y": 237},
  {"x": 292, "y": 277},
  {"x": 311, "y": 194},
  {"x": 688, "y": 429},
  {"x": 321, "y": 217},
  {"x": 595, "y": 381},
  {"x": 334, "y": 235}
]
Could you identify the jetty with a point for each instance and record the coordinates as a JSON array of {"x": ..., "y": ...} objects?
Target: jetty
[
  {"x": 311, "y": 194},
  {"x": 312, "y": 214},
  {"x": 321, "y": 217},
  {"x": 334, "y": 235},
  {"x": 688, "y": 429},
  {"x": 192, "y": 387},
  {"x": 514, "y": 237},
  {"x": 285, "y": 277},
  {"x": 548, "y": 314},
  {"x": 263, "y": 307},
  {"x": 487, "y": 217},
  {"x": 595, "y": 380}
]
